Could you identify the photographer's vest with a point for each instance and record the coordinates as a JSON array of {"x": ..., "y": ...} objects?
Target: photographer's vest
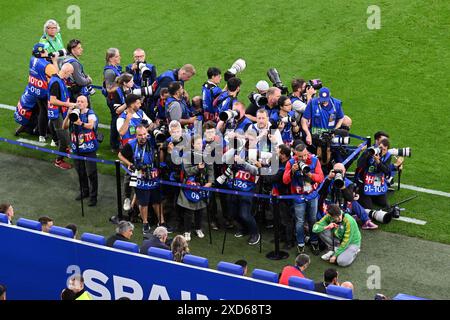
[
  {"x": 134, "y": 122},
  {"x": 323, "y": 119},
  {"x": 272, "y": 111},
  {"x": 87, "y": 138},
  {"x": 137, "y": 78},
  {"x": 375, "y": 183},
  {"x": 176, "y": 173},
  {"x": 37, "y": 79},
  {"x": 304, "y": 186},
  {"x": 242, "y": 179},
  {"x": 224, "y": 102},
  {"x": 194, "y": 195},
  {"x": 170, "y": 74},
  {"x": 286, "y": 134},
  {"x": 280, "y": 188},
  {"x": 144, "y": 156},
  {"x": 52, "y": 110},
  {"x": 117, "y": 71},
  {"x": 210, "y": 92},
  {"x": 75, "y": 89},
  {"x": 185, "y": 112},
  {"x": 241, "y": 126},
  {"x": 24, "y": 109}
]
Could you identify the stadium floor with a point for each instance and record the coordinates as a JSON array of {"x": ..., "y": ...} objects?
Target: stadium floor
[{"x": 407, "y": 265}]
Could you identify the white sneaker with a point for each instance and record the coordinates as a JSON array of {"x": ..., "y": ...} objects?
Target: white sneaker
[
  {"x": 327, "y": 255},
  {"x": 42, "y": 139},
  {"x": 53, "y": 143},
  {"x": 187, "y": 236},
  {"x": 200, "y": 233},
  {"x": 127, "y": 204}
]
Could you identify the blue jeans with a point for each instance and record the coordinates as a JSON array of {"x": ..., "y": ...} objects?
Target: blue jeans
[
  {"x": 359, "y": 211},
  {"x": 241, "y": 211},
  {"x": 309, "y": 207}
]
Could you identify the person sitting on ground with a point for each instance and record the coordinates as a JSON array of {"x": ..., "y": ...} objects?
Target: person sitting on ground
[
  {"x": 330, "y": 276},
  {"x": 244, "y": 264},
  {"x": 124, "y": 232},
  {"x": 8, "y": 210},
  {"x": 46, "y": 223},
  {"x": 302, "y": 262},
  {"x": 158, "y": 239},
  {"x": 179, "y": 248}
]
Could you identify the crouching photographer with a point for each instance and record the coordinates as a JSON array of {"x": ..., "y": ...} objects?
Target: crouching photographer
[
  {"x": 82, "y": 122},
  {"x": 337, "y": 189},
  {"x": 145, "y": 174},
  {"x": 304, "y": 174},
  {"x": 371, "y": 175}
]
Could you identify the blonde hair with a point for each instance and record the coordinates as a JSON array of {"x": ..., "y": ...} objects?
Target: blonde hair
[
  {"x": 179, "y": 248},
  {"x": 111, "y": 52},
  {"x": 189, "y": 69}
]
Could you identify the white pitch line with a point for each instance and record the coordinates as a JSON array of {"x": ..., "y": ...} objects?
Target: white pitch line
[
  {"x": 412, "y": 220},
  {"x": 419, "y": 189},
  {"x": 35, "y": 143}
]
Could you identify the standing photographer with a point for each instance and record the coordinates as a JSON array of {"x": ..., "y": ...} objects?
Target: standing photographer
[
  {"x": 82, "y": 123},
  {"x": 185, "y": 73},
  {"x": 304, "y": 173},
  {"x": 58, "y": 104},
  {"x": 211, "y": 90},
  {"x": 52, "y": 39},
  {"x": 176, "y": 106},
  {"x": 257, "y": 99},
  {"x": 268, "y": 136},
  {"x": 228, "y": 97},
  {"x": 286, "y": 121},
  {"x": 145, "y": 169},
  {"x": 273, "y": 94},
  {"x": 371, "y": 175},
  {"x": 301, "y": 95},
  {"x": 79, "y": 81}
]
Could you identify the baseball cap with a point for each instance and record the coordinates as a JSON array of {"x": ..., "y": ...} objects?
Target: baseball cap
[
  {"x": 262, "y": 85},
  {"x": 324, "y": 95},
  {"x": 38, "y": 48}
]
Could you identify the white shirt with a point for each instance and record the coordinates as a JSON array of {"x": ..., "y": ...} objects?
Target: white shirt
[{"x": 121, "y": 121}]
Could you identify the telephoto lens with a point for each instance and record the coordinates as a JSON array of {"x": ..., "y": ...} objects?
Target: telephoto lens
[
  {"x": 400, "y": 152},
  {"x": 339, "y": 180},
  {"x": 74, "y": 115},
  {"x": 228, "y": 115},
  {"x": 373, "y": 151},
  {"x": 304, "y": 168}
]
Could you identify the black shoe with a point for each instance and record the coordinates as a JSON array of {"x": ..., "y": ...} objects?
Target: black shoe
[
  {"x": 85, "y": 195},
  {"x": 214, "y": 226},
  {"x": 19, "y": 130},
  {"x": 229, "y": 225},
  {"x": 254, "y": 239},
  {"x": 92, "y": 202},
  {"x": 239, "y": 234},
  {"x": 269, "y": 224},
  {"x": 301, "y": 249},
  {"x": 145, "y": 228},
  {"x": 315, "y": 249}
]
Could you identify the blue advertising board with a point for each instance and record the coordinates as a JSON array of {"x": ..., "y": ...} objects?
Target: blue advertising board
[{"x": 36, "y": 265}]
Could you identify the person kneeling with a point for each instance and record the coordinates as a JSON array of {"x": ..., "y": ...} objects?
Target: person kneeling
[{"x": 345, "y": 241}]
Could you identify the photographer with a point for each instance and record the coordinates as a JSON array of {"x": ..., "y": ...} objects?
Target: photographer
[
  {"x": 339, "y": 230},
  {"x": 111, "y": 71},
  {"x": 235, "y": 121},
  {"x": 185, "y": 73},
  {"x": 40, "y": 72},
  {"x": 211, "y": 90},
  {"x": 371, "y": 175},
  {"x": 323, "y": 113},
  {"x": 394, "y": 167},
  {"x": 78, "y": 83},
  {"x": 337, "y": 189},
  {"x": 196, "y": 173},
  {"x": 268, "y": 136},
  {"x": 226, "y": 99},
  {"x": 176, "y": 106},
  {"x": 257, "y": 99},
  {"x": 52, "y": 39},
  {"x": 302, "y": 93},
  {"x": 131, "y": 118},
  {"x": 58, "y": 103},
  {"x": 286, "y": 121},
  {"x": 304, "y": 173},
  {"x": 144, "y": 74},
  {"x": 85, "y": 145},
  {"x": 145, "y": 169},
  {"x": 273, "y": 94}
]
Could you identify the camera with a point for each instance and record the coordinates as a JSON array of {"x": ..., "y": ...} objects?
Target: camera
[
  {"x": 226, "y": 175},
  {"x": 315, "y": 83},
  {"x": 74, "y": 115},
  {"x": 338, "y": 179},
  {"x": 146, "y": 73},
  {"x": 400, "y": 152},
  {"x": 258, "y": 99},
  {"x": 133, "y": 178},
  {"x": 379, "y": 215},
  {"x": 161, "y": 134},
  {"x": 373, "y": 151},
  {"x": 263, "y": 157},
  {"x": 238, "y": 66},
  {"x": 145, "y": 123},
  {"x": 274, "y": 77},
  {"x": 289, "y": 118},
  {"x": 340, "y": 140},
  {"x": 303, "y": 167},
  {"x": 228, "y": 115},
  {"x": 57, "y": 54},
  {"x": 143, "y": 92},
  {"x": 90, "y": 89}
]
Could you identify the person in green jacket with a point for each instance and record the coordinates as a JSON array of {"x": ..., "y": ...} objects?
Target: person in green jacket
[
  {"x": 76, "y": 285},
  {"x": 345, "y": 242},
  {"x": 51, "y": 38}
]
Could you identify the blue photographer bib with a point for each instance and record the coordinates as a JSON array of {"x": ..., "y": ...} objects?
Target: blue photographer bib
[
  {"x": 137, "y": 78},
  {"x": 194, "y": 195},
  {"x": 134, "y": 122},
  {"x": 87, "y": 139},
  {"x": 143, "y": 156},
  {"x": 323, "y": 118},
  {"x": 301, "y": 186},
  {"x": 37, "y": 79},
  {"x": 52, "y": 110},
  {"x": 375, "y": 183},
  {"x": 24, "y": 109}
]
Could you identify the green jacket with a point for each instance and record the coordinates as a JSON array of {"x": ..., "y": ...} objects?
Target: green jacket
[
  {"x": 348, "y": 231},
  {"x": 52, "y": 45}
]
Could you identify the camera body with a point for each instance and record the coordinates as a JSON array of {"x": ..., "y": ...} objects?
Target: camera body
[
  {"x": 274, "y": 77},
  {"x": 161, "y": 134},
  {"x": 314, "y": 83},
  {"x": 338, "y": 179}
]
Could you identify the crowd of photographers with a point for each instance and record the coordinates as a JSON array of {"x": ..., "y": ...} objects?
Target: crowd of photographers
[{"x": 281, "y": 144}]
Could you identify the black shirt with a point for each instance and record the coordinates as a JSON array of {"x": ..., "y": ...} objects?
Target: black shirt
[
  {"x": 112, "y": 239},
  {"x": 252, "y": 109},
  {"x": 55, "y": 90},
  {"x": 320, "y": 287}
]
